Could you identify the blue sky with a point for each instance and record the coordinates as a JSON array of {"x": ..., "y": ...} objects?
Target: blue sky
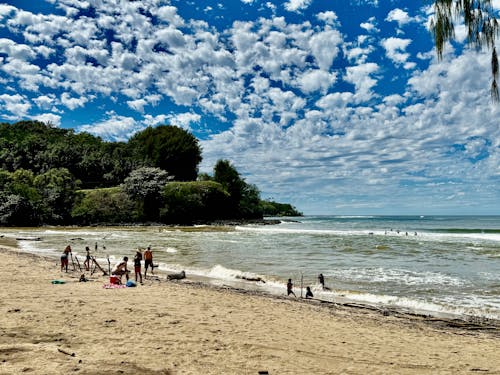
[{"x": 338, "y": 107}]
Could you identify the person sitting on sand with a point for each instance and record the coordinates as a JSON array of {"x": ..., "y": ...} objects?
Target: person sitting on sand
[
  {"x": 137, "y": 264},
  {"x": 65, "y": 258},
  {"x": 309, "y": 294},
  {"x": 289, "y": 288},
  {"x": 120, "y": 268},
  {"x": 148, "y": 261}
]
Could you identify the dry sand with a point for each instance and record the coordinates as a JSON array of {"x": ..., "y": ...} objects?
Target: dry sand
[{"x": 185, "y": 328}]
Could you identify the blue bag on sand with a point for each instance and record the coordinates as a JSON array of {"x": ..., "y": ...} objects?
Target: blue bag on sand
[{"x": 131, "y": 284}]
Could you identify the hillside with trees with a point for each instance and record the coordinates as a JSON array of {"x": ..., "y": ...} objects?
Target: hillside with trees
[{"x": 53, "y": 176}]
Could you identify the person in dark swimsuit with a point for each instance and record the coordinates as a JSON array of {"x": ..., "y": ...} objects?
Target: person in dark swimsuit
[
  {"x": 289, "y": 288},
  {"x": 137, "y": 265}
]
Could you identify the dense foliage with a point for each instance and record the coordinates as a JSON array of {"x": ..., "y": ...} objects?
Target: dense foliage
[
  {"x": 270, "y": 208},
  {"x": 54, "y": 176},
  {"x": 169, "y": 148}
]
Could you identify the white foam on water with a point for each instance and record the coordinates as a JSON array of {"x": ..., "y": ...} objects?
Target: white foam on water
[{"x": 399, "y": 276}]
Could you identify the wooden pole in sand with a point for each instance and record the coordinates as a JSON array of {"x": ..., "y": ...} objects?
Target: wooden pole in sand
[
  {"x": 98, "y": 266},
  {"x": 73, "y": 262},
  {"x": 78, "y": 262},
  {"x": 301, "y": 283}
]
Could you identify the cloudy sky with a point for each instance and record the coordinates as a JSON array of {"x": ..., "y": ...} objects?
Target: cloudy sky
[{"x": 338, "y": 107}]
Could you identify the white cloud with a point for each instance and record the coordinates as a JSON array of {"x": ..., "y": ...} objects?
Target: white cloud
[
  {"x": 360, "y": 77},
  {"x": 72, "y": 103},
  {"x": 316, "y": 80},
  {"x": 329, "y": 17},
  {"x": 395, "y": 49},
  {"x": 370, "y": 25},
  {"x": 400, "y": 16},
  {"x": 16, "y": 104},
  {"x": 45, "y": 101},
  {"x": 137, "y": 105},
  {"x": 297, "y": 5},
  {"x": 184, "y": 120},
  {"x": 114, "y": 127},
  {"x": 325, "y": 47},
  {"x": 49, "y": 118}
]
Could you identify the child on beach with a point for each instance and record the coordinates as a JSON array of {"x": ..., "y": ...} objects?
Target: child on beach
[
  {"x": 86, "y": 264},
  {"x": 64, "y": 258},
  {"x": 137, "y": 264},
  {"x": 289, "y": 288}
]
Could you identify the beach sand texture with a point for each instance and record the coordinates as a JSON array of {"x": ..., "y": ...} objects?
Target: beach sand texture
[{"x": 181, "y": 328}]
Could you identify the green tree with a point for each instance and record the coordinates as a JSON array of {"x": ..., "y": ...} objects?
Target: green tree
[
  {"x": 57, "y": 188},
  {"x": 482, "y": 29},
  {"x": 106, "y": 205},
  {"x": 170, "y": 148},
  {"x": 144, "y": 186},
  {"x": 189, "y": 202},
  {"x": 244, "y": 198},
  {"x": 19, "y": 199}
]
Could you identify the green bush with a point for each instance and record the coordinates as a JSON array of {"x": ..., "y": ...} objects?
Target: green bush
[
  {"x": 189, "y": 202},
  {"x": 107, "y": 205}
]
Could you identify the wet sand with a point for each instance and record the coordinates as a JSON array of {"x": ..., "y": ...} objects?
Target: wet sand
[{"x": 185, "y": 327}]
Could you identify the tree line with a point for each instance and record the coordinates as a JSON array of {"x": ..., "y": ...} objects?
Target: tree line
[{"x": 55, "y": 176}]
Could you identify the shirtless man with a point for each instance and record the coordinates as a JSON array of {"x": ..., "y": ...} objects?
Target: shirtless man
[
  {"x": 120, "y": 268},
  {"x": 148, "y": 261}
]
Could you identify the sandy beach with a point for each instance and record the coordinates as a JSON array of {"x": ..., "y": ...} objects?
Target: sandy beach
[{"x": 183, "y": 327}]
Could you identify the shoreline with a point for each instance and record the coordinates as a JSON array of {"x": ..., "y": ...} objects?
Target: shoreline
[
  {"x": 190, "y": 328},
  {"x": 473, "y": 323},
  {"x": 337, "y": 299}
]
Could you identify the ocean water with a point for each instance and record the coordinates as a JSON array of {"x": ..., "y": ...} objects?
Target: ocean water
[{"x": 438, "y": 265}]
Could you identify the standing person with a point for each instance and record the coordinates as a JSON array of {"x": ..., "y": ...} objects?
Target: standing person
[
  {"x": 86, "y": 264},
  {"x": 289, "y": 288},
  {"x": 120, "y": 268},
  {"x": 148, "y": 261},
  {"x": 65, "y": 258},
  {"x": 137, "y": 264},
  {"x": 321, "y": 280}
]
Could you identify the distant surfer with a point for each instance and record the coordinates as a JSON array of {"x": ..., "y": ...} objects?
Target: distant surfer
[{"x": 289, "y": 288}]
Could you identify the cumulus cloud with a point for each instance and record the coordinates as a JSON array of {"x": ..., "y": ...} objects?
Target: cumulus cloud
[
  {"x": 49, "y": 118},
  {"x": 370, "y": 25},
  {"x": 297, "y": 5},
  {"x": 184, "y": 120},
  {"x": 396, "y": 50},
  {"x": 114, "y": 127},
  {"x": 400, "y": 16},
  {"x": 17, "y": 105}
]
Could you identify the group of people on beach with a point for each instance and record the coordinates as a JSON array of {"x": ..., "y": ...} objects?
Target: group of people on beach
[
  {"x": 120, "y": 268},
  {"x": 309, "y": 293}
]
